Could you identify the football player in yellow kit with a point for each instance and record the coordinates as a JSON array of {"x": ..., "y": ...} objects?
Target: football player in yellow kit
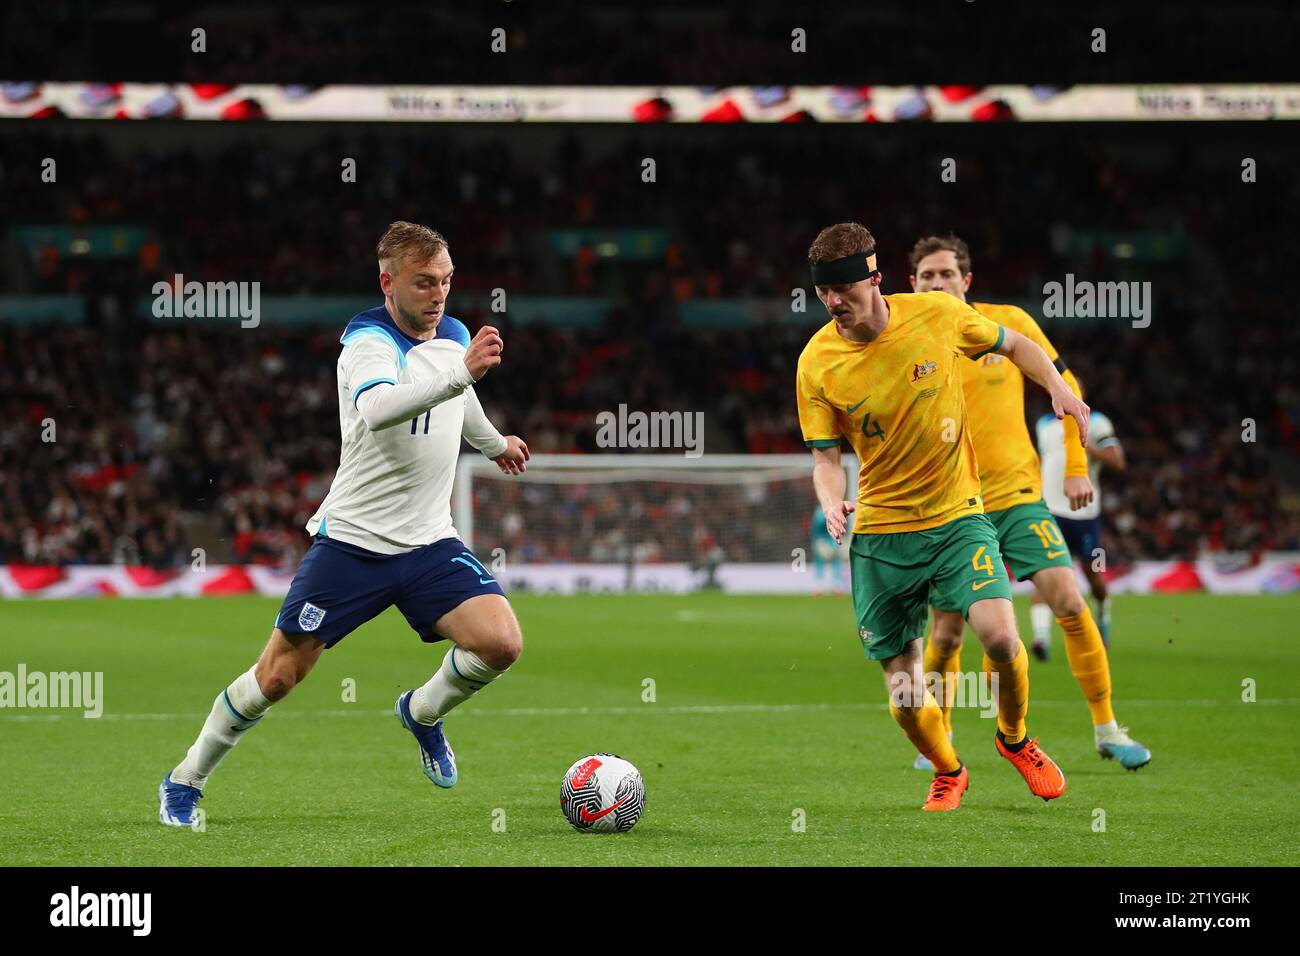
[
  {"x": 1011, "y": 483},
  {"x": 884, "y": 374}
]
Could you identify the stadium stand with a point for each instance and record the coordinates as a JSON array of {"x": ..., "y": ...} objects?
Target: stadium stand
[{"x": 168, "y": 434}]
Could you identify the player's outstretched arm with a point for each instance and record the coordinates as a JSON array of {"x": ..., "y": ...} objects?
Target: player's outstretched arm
[
  {"x": 509, "y": 451},
  {"x": 513, "y": 461},
  {"x": 830, "y": 483},
  {"x": 1033, "y": 361},
  {"x": 385, "y": 405},
  {"x": 1078, "y": 486}
]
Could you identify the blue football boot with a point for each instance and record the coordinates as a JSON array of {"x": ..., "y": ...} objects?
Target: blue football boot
[
  {"x": 177, "y": 802},
  {"x": 436, "y": 756}
]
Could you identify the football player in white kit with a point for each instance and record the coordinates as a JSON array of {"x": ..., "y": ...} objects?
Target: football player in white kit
[
  {"x": 383, "y": 535},
  {"x": 1082, "y": 528}
]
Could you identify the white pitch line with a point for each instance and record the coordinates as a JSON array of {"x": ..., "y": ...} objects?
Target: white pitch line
[{"x": 73, "y": 714}]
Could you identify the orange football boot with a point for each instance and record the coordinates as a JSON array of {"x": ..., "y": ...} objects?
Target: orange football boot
[
  {"x": 1040, "y": 771},
  {"x": 946, "y": 790}
]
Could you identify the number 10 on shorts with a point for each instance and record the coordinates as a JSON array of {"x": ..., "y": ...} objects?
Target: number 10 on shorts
[{"x": 1048, "y": 534}]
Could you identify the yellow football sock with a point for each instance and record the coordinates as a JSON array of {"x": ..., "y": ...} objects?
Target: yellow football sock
[
  {"x": 937, "y": 662},
  {"x": 924, "y": 728},
  {"x": 1089, "y": 663},
  {"x": 1013, "y": 693}
]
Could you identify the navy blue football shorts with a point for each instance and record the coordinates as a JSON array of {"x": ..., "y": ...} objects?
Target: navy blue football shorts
[
  {"x": 1082, "y": 535},
  {"x": 340, "y": 586}
]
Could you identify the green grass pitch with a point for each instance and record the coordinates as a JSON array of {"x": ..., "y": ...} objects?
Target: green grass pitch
[{"x": 764, "y": 706}]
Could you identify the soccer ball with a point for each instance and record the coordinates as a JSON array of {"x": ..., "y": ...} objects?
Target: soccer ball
[{"x": 602, "y": 793}]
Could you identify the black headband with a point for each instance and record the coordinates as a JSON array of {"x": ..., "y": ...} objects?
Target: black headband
[{"x": 854, "y": 268}]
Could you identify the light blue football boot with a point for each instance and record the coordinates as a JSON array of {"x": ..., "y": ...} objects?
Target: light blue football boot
[{"x": 1118, "y": 745}]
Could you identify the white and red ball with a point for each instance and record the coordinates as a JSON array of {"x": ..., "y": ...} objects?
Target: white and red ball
[{"x": 602, "y": 793}]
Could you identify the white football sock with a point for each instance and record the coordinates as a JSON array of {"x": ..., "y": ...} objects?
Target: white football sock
[
  {"x": 1040, "y": 617},
  {"x": 238, "y": 707},
  {"x": 1103, "y": 612},
  {"x": 1102, "y": 731},
  {"x": 462, "y": 675}
]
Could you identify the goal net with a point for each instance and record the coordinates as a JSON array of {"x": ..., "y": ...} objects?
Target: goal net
[{"x": 643, "y": 522}]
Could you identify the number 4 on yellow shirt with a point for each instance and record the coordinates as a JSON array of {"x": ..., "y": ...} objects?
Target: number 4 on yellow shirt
[{"x": 872, "y": 429}]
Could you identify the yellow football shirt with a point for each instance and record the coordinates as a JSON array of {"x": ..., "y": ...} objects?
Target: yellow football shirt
[
  {"x": 995, "y": 401},
  {"x": 898, "y": 400}
]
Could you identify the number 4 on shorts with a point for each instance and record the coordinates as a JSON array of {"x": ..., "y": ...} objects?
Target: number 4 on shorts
[{"x": 981, "y": 560}]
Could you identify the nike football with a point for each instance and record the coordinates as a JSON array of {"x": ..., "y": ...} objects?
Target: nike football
[{"x": 602, "y": 793}]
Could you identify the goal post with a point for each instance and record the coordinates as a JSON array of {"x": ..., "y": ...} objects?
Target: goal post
[{"x": 574, "y": 523}]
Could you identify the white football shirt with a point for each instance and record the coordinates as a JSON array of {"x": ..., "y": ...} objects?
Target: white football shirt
[
  {"x": 1051, "y": 451},
  {"x": 392, "y": 491}
]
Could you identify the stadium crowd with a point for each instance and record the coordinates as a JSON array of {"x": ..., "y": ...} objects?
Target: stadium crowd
[{"x": 157, "y": 424}]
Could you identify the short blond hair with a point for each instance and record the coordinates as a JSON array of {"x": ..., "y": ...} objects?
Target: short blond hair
[{"x": 408, "y": 240}]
